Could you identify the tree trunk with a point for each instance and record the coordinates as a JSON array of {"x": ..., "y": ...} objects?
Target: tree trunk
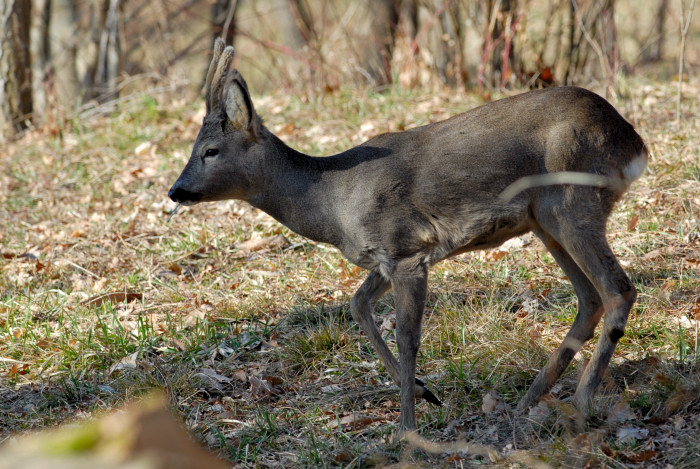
[
  {"x": 595, "y": 50},
  {"x": 63, "y": 30},
  {"x": 109, "y": 53},
  {"x": 294, "y": 22},
  {"x": 656, "y": 50},
  {"x": 15, "y": 67},
  {"x": 502, "y": 38},
  {"x": 39, "y": 53},
  {"x": 376, "y": 59},
  {"x": 498, "y": 42},
  {"x": 446, "y": 42},
  {"x": 408, "y": 13},
  {"x": 562, "y": 66}
]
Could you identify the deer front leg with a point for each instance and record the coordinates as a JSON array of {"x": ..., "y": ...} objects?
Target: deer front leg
[
  {"x": 361, "y": 307},
  {"x": 410, "y": 291}
]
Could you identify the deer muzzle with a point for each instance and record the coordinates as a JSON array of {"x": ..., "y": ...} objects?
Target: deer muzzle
[{"x": 183, "y": 196}]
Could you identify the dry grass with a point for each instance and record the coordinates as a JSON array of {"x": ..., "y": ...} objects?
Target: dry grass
[{"x": 255, "y": 347}]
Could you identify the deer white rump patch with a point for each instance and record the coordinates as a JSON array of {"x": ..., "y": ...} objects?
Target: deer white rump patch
[{"x": 636, "y": 167}]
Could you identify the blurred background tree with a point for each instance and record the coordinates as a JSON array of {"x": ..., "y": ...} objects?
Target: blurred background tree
[{"x": 63, "y": 58}]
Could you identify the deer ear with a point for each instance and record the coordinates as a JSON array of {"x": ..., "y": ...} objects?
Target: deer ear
[{"x": 238, "y": 105}]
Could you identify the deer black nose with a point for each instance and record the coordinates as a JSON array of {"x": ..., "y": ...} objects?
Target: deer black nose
[{"x": 180, "y": 195}]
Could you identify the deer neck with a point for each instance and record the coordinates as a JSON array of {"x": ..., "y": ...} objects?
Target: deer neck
[{"x": 297, "y": 191}]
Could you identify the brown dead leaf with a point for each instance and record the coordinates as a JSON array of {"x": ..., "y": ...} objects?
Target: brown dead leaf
[
  {"x": 354, "y": 422},
  {"x": 535, "y": 332},
  {"x": 211, "y": 380},
  {"x": 540, "y": 413},
  {"x": 388, "y": 324},
  {"x": 178, "y": 344},
  {"x": 608, "y": 451},
  {"x": 126, "y": 363},
  {"x": 580, "y": 444},
  {"x": 639, "y": 456},
  {"x": 668, "y": 285},
  {"x": 663, "y": 379},
  {"x": 273, "y": 380},
  {"x": 659, "y": 253},
  {"x": 496, "y": 255},
  {"x": 566, "y": 409},
  {"x": 347, "y": 276},
  {"x": 492, "y": 402},
  {"x": 344, "y": 456},
  {"x": 144, "y": 435},
  {"x": 240, "y": 375},
  {"x": 260, "y": 387},
  {"x": 197, "y": 315},
  {"x": 114, "y": 297},
  {"x": 258, "y": 244},
  {"x": 175, "y": 268},
  {"x": 679, "y": 399},
  {"x": 678, "y": 422},
  {"x": 632, "y": 222},
  {"x": 19, "y": 369},
  {"x": 149, "y": 429},
  {"x": 621, "y": 412},
  {"x": 287, "y": 129}
]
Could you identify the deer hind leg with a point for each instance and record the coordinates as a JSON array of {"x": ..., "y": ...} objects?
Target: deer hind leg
[
  {"x": 584, "y": 241},
  {"x": 590, "y": 310},
  {"x": 361, "y": 307}
]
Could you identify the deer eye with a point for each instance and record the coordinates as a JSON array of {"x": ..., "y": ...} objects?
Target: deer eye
[{"x": 211, "y": 152}]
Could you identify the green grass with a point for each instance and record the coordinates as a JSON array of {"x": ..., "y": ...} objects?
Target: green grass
[{"x": 86, "y": 215}]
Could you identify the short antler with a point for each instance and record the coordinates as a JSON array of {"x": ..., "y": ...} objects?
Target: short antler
[{"x": 219, "y": 67}]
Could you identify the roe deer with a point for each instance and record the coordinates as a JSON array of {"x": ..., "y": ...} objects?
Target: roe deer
[{"x": 401, "y": 202}]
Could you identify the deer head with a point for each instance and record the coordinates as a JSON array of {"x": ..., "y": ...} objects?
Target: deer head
[{"x": 228, "y": 148}]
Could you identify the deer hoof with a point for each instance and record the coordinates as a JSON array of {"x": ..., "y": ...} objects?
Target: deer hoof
[{"x": 423, "y": 392}]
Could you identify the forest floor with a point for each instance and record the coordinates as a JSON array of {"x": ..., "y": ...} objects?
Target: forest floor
[{"x": 245, "y": 327}]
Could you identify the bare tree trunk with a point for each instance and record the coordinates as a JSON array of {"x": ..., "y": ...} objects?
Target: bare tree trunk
[
  {"x": 384, "y": 16},
  {"x": 408, "y": 13},
  {"x": 656, "y": 50},
  {"x": 502, "y": 38},
  {"x": 15, "y": 67},
  {"x": 607, "y": 31},
  {"x": 296, "y": 31},
  {"x": 39, "y": 53},
  {"x": 595, "y": 50},
  {"x": 63, "y": 31},
  {"x": 446, "y": 42},
  {"x": 295, "y": 23},
  {"x": 562, "y": 66},
  {"x": 109, "y": 53}
]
